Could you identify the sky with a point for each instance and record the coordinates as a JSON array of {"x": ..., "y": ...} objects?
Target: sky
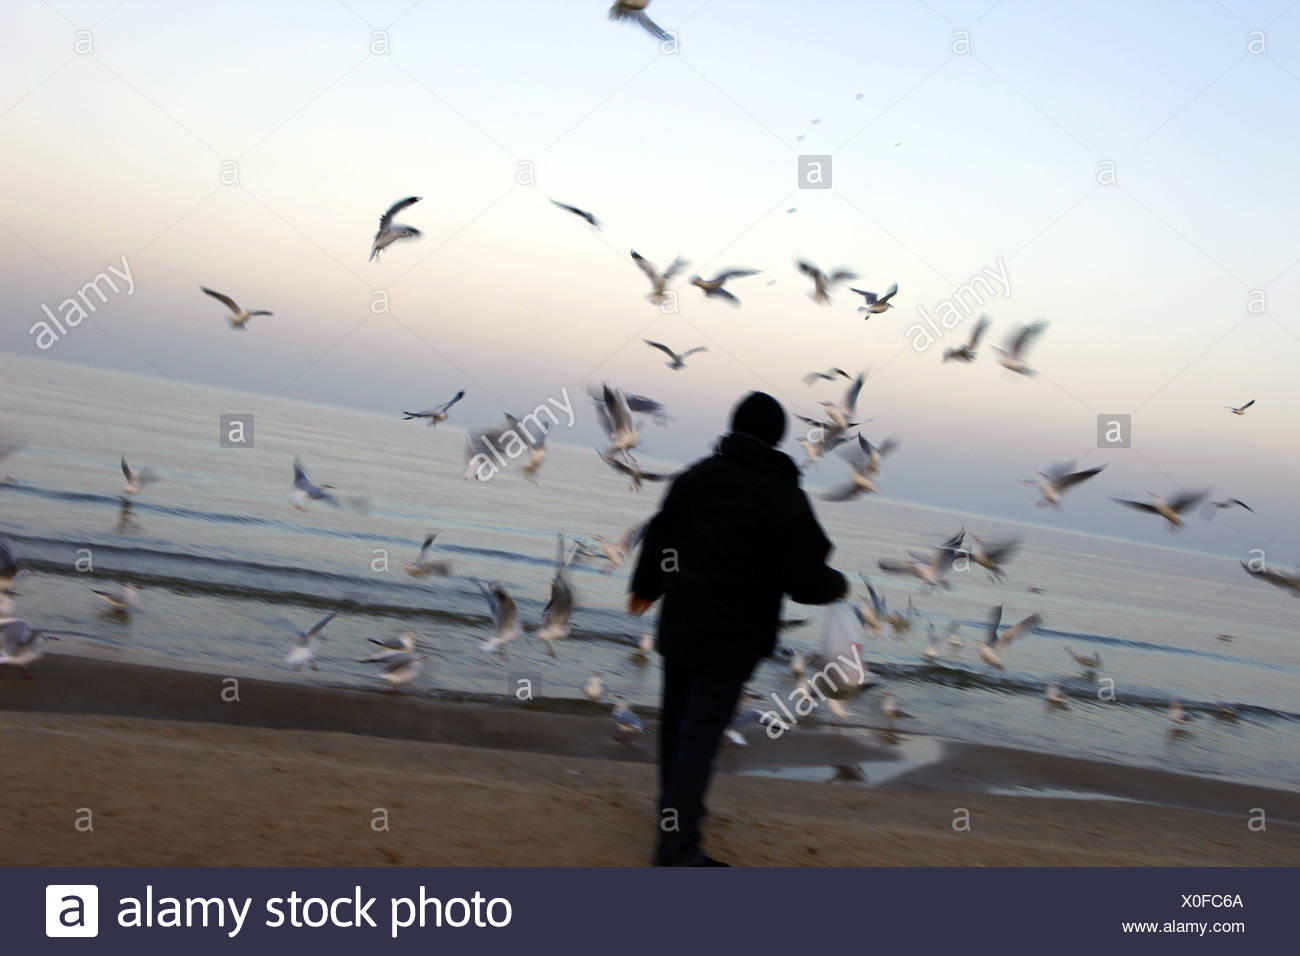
[{"x": 1130, "y": 167}]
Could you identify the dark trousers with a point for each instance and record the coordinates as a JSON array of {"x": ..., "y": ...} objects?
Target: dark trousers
[{"x": 694, "y": 712}]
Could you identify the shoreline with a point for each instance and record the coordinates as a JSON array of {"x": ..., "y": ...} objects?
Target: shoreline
[{"x": 877, "y": 759}]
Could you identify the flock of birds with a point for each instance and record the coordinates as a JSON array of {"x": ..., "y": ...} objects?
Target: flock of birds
[{"x": 835, "y": 429}]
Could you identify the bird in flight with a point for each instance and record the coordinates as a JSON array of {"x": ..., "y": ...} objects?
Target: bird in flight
[
  {"x": 389, "y": 231},
  {"x": 966, "y": 353},
  {"x": 305, "y": 491},
  {"x": 239, "y": 316},
  {"x": 137, "y": 481},
  {"x": 1212, "y": 507},
  {"x": 634, "y": 10},
  {"x": 876, "y": 303},
  {"x": 580, "y": 213},
  {"x": 822, "y": 282},
  {"x": 713, "y": 287},
  {"x": 677, "y": 360},
  {"x": 1239, "y": 409},
  {"x": 1057, "y": 480},
  {"x": 1170, "y": 509},
  {"x": 1011, "y": 357},
  {"x": 658, "y": 280},
  {"x": 435, "y": 415},
  {"x": 994, "y": 646}
]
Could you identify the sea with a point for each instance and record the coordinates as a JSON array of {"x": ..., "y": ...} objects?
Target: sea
[{"x": 229, "y": 570}]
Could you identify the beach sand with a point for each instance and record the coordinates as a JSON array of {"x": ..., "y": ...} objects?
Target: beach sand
[{"x": 472, "y": 784}]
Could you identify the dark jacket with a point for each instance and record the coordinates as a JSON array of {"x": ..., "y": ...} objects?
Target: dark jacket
[{"x": 735, "y": 532}]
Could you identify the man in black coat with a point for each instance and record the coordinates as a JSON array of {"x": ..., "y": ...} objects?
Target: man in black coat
[{"x": 734, "y": 533}]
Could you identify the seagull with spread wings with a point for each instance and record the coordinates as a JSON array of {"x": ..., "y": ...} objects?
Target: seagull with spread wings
[
  {"x": 137, "y": 481},
  {"x": 305, "y": 491},
  {"x": 994, "y": 646},
  {"x": 1239, "y": 409},
  {"x": 308, "y": 645},
  {"x": 992, "y": 556},
  {"x": 437, "y": 414},
  {"x": 505, "y": 617},
  {"x": 425, "y": 565},
  {"x": 830, "y": 375},
  {"x": 634, "y": 471},
  {"x": 616, "y": 418},
  {"x": 1211, "y": 507},
  {"x": 966, "y": 353},
  {"x": 658, "y": 280},
  {"x": 676, "y": 360},
  {"x": 822, "y": 283},
  {"x": 239, "y": 316},
  {"x": 864, "y": 461},
  {"x": 1057, "y": 479},
  {"x": 713, "y": 288},
  {"x": 558, "y": 610},
  {"x": 930, "y": 568},
  {"x": 1170, "y": 509},
  {"x": 876, "y": 304},
  {"x": 389, "y": 231},
  {"x": 1012, "y": 356}
]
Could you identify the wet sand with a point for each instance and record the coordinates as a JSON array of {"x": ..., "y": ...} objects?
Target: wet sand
[{"x": 297, "y": 775}]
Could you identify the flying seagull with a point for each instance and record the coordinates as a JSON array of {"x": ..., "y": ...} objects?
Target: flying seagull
[
  {"x": 616, "y": 418},
  {"x": 137, "y": 481},
  {"x": 658, "y": 280},
  {"x": 505, "y": 615},
  {"x": 677, "y": 360},
  {"x": 966, "y": 353},
  {"x": 1011, "y": 356},
  {"x": 424, "y": 565},
  {"x": 713, "y": 287},
  {"x": 558, "y": 610},
  {"x": 305, "y": 491},
  {"x": 633, "y": 470},
  {"x": 822, "y": 282},
  {"x": 933, "y": 568},
  {"x": 991, "y": 557},
  {"x": 1057, "y": 479},
  {"x": 1213, "y": 506},
  {"x": 634, "y": 10},
  {"x": 593, "y": 687},
  {"x": 120, "y": 600},
  {"x": 389, "y": 231},
  {"x": 1171, "y": 509},
  {"x": 1279, "y": 579},
  {"x": 839, "y": 414},
  {"x": 580, "y": 213},
  {"x": 1089, "y": 661},
  {"x": 877, "y": 303},
  {"x": 994, "y": 646},
  {"x": 617, "y": 552},
  {"x": 864, "y": 461},
  {"x": 829, "y": 375},
  {"x": 239, "y": 316},
  {"x": 309, "y": 642},
  {"x": 435, "y": 415},
  {"x": 1240, "y": 409},
  {"x": 20, "y": 644}
]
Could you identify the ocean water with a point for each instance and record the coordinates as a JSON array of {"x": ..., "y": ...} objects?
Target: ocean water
[{"x": 229, "y": 568}]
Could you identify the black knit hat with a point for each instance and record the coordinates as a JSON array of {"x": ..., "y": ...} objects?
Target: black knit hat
[{"x": 760, "y": 416}]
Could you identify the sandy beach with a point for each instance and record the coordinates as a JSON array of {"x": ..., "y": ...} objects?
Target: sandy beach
[{"x": 252, "y": 783}]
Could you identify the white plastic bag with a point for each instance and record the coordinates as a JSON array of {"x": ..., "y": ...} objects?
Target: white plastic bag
[{"x": 842, "y": 635}]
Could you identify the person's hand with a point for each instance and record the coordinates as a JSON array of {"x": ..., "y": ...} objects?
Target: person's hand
[{"x": 637, "y": 605}]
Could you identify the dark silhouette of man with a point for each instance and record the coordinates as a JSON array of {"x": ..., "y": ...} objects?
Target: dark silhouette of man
[{"x": 735, "y": 532}]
